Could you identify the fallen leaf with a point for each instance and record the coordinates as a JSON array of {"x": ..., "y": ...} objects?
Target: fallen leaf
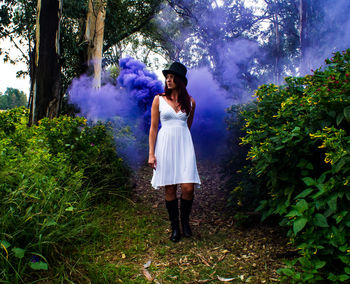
[
  {"x": 147, "y": 264},
  {"x": 147, "y": 274},
  {"x": 221, "y": 257},
  {"x": 222, "y": 279},
  {"x": 204, "y": 260}
]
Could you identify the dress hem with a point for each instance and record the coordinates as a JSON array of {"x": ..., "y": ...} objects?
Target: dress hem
[{"x": 196, "y": 185}]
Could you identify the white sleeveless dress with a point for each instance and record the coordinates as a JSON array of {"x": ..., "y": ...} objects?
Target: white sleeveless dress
[{"x": 174, "y": 151}]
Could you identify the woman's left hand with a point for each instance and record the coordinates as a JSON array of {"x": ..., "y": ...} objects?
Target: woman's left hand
[{"x": 152, "y": 161}]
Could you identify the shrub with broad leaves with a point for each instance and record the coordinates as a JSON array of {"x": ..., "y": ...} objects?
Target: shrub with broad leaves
[{"x": 299, "y": 139}]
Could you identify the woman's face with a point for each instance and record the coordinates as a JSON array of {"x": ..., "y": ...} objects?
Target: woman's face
[{"x": 169, "y": 79}]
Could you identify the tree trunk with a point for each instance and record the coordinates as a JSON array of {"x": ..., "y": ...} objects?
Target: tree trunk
[
  {"x": 94, "y": 36},
  {"x": 46, "y": 81},
  {"x": 303, "y": 37},
  {"x": 277, "y": 71}
]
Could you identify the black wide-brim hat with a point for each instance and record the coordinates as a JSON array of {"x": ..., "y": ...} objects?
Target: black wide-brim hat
[{"x": 177, "y": 69}]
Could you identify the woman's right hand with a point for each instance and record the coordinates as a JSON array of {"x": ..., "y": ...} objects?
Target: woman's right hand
[{"x": 152, "y": 161}]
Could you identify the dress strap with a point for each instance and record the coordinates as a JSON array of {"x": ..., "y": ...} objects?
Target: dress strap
[{"x": 161, "y": 101}]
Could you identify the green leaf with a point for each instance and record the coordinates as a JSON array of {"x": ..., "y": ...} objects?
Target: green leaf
[
  {"x": 70, "y": 208},
  {"x": 285, "y": 271},
  {"x": 309, "y": 181},
  {"x": 19, "y": 253},
  {"x": 302, "y": 163},
  {"x": 321, "y": 187},
  {"x": 293, "y": 213},
  {"x": 343, "y": 277},
  {"x": 322, "y": 178},
  {"x": 302, "y": 205},
  {"x": 304, "y": 261},
  {"x": 347, "y": 113},
  {"x": 40, "y": 265},
  {"x": 320, "y": 221},
  {"x": 51, "y": 223},
  {"x": 341, "y": 215},
  {"x": 343, "y": 248},
  {"x": 5, "y": 244},
  {"x": 319, "y": 264},
  {"x": 299, "y": 224},
  {"x": 304, "y": 193},
  {"x": 333, "y": 203},
  {"x": 339, "y": 165},
  {"x": 307, "y": 277},
  {"x": 340, "y": 118},
  {"x": 309, "y": 166},
  {"x": 345, "y": 259},
  {"x": 332, "y": 277},
  {"x": 347, "y": 270}
]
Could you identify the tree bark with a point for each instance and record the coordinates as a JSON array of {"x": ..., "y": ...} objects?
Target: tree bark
[
  {"x": 277, "y": 70},
  {"x": 95, "y": 23},
  {"x": 46, "y": 81},
  {"x": 303, "y": 37}
]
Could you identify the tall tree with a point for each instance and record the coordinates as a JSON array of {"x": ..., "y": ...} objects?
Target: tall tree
[
  {"x": 123, "y": 18},
  {"x": 12, "y": 98},
  {"x": 95, "y": 24},
  {"x": 46, "y": 81},
  {"x": 303, "y": 33}
]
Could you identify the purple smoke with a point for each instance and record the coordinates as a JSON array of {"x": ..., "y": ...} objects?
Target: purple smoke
[
  {"x": 208, "y": 128},
  {"x": 98, "y": 104},
  {"x": 141, "y": 85},
  {"x": 334, "y": 33},
  {"x": 126, "y": 105},
  {"x": 211, "y": 41}
]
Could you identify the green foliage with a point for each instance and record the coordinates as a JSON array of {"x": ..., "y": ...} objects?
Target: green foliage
[
  {"x": 123, "y": 18},
  {"x": 247, "y": 190},
  {"x": 12, "y": 98},
  {"x": 300, "y": 143},
  {"x": 51, "y": 175}
]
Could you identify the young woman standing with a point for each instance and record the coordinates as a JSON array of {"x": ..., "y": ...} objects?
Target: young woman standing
[{"x": 171, "y": 151}]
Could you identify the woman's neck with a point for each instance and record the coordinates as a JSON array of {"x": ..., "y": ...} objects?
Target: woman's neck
[{"x": 174, "y": 95}]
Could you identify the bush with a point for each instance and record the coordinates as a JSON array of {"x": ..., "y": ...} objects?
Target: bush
[
  {"x": 247, "y": 190},
  {"x": 50, "y": 176},
  {"x": 300, "y": 144}
]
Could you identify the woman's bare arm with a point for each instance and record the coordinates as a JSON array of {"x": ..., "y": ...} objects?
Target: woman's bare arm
[
  {"x": 190, "y": 118},
  {"x": 153, "y": 131}
]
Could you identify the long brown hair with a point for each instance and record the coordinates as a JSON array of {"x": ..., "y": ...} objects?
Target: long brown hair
[{"x": 184, "y": 98}]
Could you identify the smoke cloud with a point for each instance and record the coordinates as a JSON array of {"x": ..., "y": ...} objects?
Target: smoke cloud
[
  {"x": 125, "y": 104},
  {"x": 208, "y": 128},
  {"x": 335, "y": 32},
  {"x": 140, "y": 85}
]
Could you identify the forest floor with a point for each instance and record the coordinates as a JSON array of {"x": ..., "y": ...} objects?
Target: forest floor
[{"x": 135, "y": 245}]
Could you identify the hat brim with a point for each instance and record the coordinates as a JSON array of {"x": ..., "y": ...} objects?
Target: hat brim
[{"x": 166, "y": 72}]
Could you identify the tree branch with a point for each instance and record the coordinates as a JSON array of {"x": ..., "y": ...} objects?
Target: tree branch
[
  {"x": 16, "y": 45},
  {"x": 133, "y": 30}
]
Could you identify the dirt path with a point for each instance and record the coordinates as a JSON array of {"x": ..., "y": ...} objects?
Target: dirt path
[{"x": 230, "y": 253}]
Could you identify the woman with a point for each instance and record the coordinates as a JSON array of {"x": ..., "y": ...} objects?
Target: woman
[{"x": 171, "y": 152}]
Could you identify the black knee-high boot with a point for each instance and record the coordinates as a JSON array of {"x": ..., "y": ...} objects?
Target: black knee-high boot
[
  {"x": 173, "y": 211},
  {"x": 185, "y": 207}
]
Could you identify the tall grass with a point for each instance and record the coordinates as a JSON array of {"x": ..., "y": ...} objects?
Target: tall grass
[{"x": 51, "y": 175}]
